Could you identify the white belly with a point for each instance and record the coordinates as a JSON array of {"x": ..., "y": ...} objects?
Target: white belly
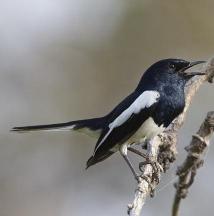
[{"x": 148, "y": 130}]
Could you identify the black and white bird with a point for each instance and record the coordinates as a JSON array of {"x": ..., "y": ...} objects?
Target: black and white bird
[{"x": 158, "y": 99}]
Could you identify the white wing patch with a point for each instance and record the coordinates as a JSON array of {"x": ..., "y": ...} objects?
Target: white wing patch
[{"x": 145, "y": 100}]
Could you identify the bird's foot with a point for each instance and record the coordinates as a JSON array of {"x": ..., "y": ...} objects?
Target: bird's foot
[{"x": 157, "y": 168}]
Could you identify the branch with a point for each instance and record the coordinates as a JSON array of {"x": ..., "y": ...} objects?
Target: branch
[
  {"x": 163, "y": 147},
  {"x": 188, "y": 169}
]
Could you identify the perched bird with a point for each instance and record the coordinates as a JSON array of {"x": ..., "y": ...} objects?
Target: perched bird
[{"x": 158, "y": 99}]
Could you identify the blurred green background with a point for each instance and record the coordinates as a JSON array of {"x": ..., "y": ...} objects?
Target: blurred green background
[{"x": 62, "y": 60}]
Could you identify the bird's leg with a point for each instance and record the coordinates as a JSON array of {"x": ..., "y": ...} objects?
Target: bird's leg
[
  {"x": 148, "y": 161},
  {"x": 153, "y": 162},
  {"x": 144, "y": 163},
  {"x": 138, "y": 152},
  {"x": 155, "y": 165},
  {"x": 123, "y": 152}
]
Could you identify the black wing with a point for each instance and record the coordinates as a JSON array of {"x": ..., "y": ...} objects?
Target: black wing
[{"x": 110, "y": 137}]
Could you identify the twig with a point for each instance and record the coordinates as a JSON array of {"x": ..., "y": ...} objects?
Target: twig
[
  {"x": 163, "y": 147},
  {"x": 188, "y": 169}
]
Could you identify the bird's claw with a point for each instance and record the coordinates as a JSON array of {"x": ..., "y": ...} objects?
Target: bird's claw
[
  {"x": 157, "y": 168},
  {"x": 155, "y": 165}
]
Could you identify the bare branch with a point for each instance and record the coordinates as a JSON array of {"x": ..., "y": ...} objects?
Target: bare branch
[
  {"x": 187, "y": 170},
  {"x": 163, "y": 147}
]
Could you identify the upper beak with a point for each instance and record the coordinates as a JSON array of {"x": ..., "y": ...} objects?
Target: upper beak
[{"x": 191, "y": 65}]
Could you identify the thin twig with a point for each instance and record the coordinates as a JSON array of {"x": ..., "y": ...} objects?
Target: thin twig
[
  {"x": 188, "y": 169},
  {"x": 163, "y": 147}
]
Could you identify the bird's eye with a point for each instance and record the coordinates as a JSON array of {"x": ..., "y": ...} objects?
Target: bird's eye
[{"x": 172, "y": 66}]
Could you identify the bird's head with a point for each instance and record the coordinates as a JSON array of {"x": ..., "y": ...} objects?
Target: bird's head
[
  {"x": 177, "y": 67},
  {"x": 173, "y": 71}
]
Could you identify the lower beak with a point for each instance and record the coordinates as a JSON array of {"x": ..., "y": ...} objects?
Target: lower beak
[{"x": 191, "y": 65}]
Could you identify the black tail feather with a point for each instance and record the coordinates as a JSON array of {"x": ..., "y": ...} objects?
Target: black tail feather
[
  {"x": 61, "y": 126},
  {"x": 92, "y": 124}
]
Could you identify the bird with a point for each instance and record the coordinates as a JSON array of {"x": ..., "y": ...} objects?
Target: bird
[{"x": 145, "y": 113}]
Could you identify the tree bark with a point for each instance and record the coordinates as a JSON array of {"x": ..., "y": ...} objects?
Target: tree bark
[{"x": 187, "y": 171}]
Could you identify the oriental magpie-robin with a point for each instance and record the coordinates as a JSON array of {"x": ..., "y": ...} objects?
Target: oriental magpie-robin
[{"x": 158, "y": 99}]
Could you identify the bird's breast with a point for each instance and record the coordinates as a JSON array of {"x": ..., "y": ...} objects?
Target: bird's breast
[
  {"x": 171, "y": 104},
  {"x": 148, "y": 130}
]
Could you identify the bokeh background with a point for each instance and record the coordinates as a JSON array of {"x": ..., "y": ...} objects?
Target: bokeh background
[{"x": 62, "y": 60}]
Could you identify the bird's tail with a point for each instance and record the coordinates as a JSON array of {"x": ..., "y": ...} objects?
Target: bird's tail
[{"x": 89, "y": 126}]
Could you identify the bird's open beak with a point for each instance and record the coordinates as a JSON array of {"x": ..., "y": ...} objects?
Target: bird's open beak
[{"x": 189, "y": 73}]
